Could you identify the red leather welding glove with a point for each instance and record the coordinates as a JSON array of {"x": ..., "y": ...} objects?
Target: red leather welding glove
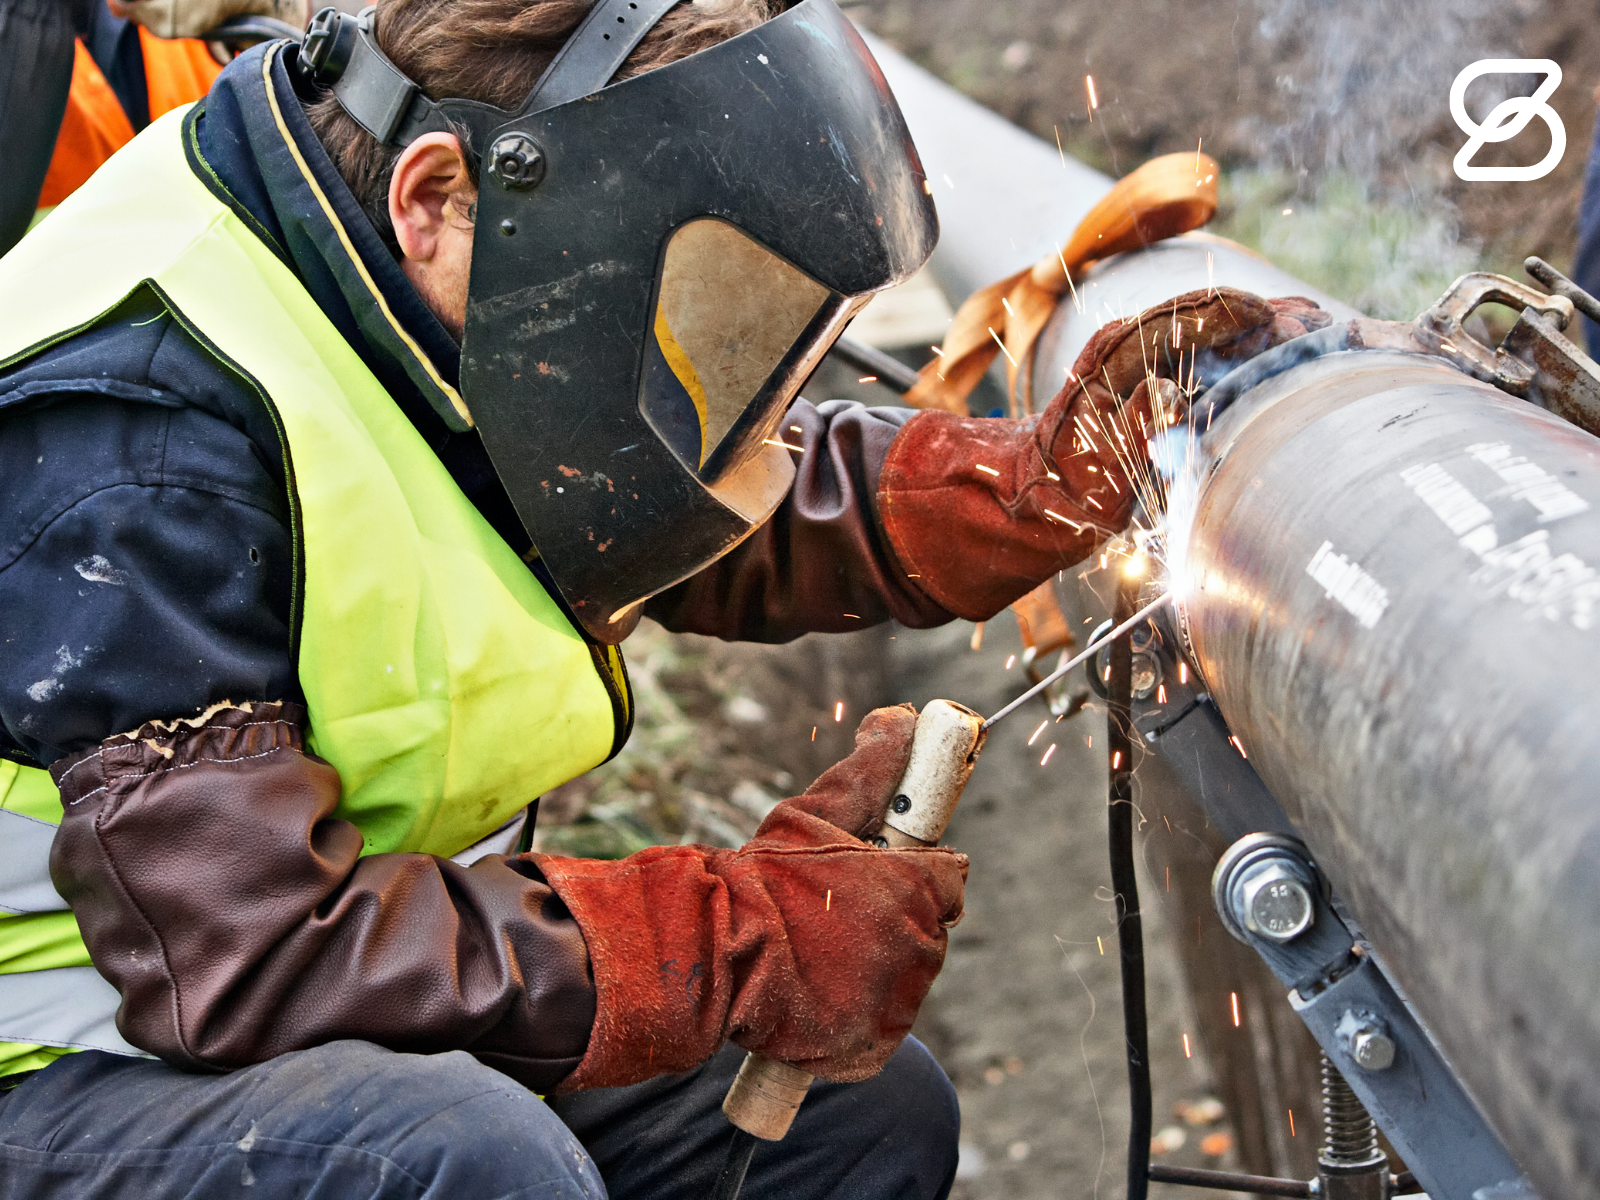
[
  {"x": 806, "y": 944},
  {"x": 980, "y": 511}
]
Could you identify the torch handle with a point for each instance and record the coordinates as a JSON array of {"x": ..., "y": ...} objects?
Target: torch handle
[{"x": 944, "y": 748}]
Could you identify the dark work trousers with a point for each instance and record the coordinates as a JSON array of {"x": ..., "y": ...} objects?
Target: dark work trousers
[
  {"x": 35, "y": 76},
  {"x": 352, "y": 1121}
]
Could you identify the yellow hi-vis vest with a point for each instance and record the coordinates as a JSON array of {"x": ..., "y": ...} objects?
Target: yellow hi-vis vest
[{"x": 442, "y": 681}]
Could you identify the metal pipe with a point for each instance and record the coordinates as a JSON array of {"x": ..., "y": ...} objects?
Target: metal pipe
[
  {"x": 1392, "y": 596},
  {"x": 1409, "y": 675}
]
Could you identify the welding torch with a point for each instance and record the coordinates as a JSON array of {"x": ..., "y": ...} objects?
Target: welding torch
[{"x": 945, "y": 745}]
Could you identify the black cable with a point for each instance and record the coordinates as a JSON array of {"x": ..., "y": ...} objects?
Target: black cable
[
  {"x": 1125, "y": 889},
  {"x": 731, "y": 1178}
]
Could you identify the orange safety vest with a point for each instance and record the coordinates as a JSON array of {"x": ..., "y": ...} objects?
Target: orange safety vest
[{"x": 176, "y": 72}]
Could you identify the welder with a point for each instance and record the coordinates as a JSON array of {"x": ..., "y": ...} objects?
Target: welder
[{"x": 349, "y": 421}]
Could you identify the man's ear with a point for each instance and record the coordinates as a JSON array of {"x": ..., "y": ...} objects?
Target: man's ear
[{"x": 430, "y": 193}]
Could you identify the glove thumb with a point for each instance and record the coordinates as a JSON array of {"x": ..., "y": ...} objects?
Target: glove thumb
[{"x": 852, "y": 795}]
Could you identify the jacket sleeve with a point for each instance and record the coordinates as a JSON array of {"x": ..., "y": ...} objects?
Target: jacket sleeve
[
  {"x": 822, "y": 564},
  {"x": 235, "y": 913}
]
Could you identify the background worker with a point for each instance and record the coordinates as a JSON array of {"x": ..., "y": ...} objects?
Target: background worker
[
  {"x": 321, "y": 515},
  {"x": 1586, "y": 257},
  {"x": 78, "y": 78}
]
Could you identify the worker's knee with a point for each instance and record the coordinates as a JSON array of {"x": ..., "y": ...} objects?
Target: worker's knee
[
  {"x": 457, "y": 1127},
  {"x": 898, "y": 1130},
  {"x": 920, "y": 1101}
]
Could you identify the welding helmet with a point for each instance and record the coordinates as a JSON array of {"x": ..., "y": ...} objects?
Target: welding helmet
[{"x": 658, "y": 265}]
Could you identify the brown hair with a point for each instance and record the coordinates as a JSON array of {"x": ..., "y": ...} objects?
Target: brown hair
[{"x": 494, "y": 51}]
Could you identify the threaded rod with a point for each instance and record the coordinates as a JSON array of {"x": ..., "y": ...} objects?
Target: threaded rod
[{"x": 1350, "y": 1137}]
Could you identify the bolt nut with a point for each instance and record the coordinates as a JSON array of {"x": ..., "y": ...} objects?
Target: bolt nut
[
  {"x": 1274, "y": 902},
  {"x": 1372, "y": 1051},
  {"x": 516, "y": 161},
  {"x": 902, "y": 804},
  {"x": 1366, "y": 1039}
]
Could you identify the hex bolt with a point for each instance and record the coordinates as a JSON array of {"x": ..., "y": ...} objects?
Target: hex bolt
[
  {"x": 1265, "y": 888},
  {"x": 1366, "y": 1039},
  {"x": 1373, "y": 1051},
  {"x": 1274, "y": 902}
]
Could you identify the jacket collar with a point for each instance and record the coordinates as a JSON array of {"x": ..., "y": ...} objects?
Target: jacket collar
[{"x": 250, "y": 142}]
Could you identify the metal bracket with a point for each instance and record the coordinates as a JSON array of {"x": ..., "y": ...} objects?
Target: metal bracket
[
  {"x": 1340, "y": 992},
  {"x": 1440, "y": 329},
  {"x": 1535, "y": 361},
  {"x": 1338, "y": 988}
]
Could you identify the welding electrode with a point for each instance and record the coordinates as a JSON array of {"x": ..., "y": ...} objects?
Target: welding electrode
[{"x": 944, "y": 748}]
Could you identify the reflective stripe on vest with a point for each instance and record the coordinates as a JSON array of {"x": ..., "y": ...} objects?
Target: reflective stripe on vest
[
  {"x": 71, "y": 1008},
  {"x": 25, "y": 865},
  {"x": 444, "y": 684}
]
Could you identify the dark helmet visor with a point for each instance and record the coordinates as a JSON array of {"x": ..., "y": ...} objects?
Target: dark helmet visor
[{"x": 657, "y": 268}]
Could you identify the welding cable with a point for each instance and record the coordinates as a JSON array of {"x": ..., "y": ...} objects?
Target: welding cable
[{"x": 1125, "y": 890}]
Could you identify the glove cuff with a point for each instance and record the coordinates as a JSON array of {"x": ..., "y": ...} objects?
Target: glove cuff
[{"x": 652, "y": 923}]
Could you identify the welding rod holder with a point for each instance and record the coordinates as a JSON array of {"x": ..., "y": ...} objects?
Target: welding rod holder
[{"x": 944, "y": 748}]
